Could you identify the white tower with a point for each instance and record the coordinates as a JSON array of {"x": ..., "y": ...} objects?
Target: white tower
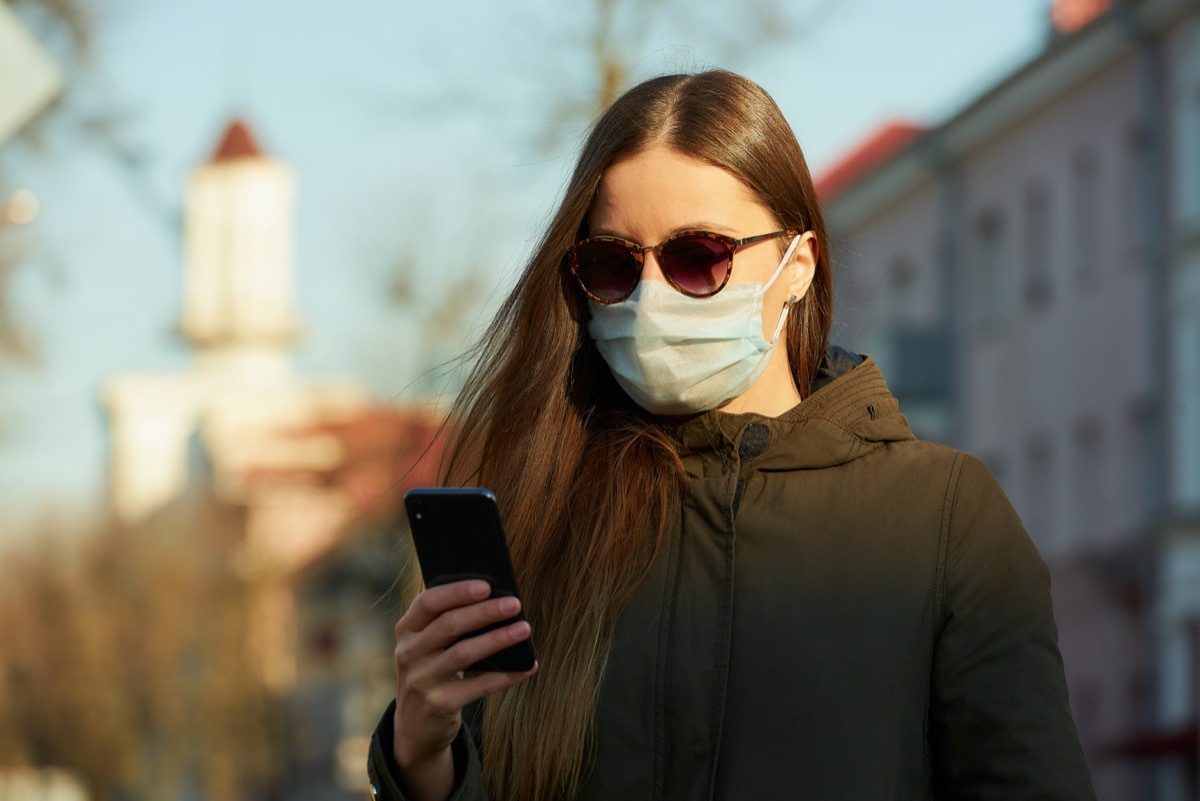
[
  {"x": 239, "y": 314},
  {"x": 239, "y": 294}
]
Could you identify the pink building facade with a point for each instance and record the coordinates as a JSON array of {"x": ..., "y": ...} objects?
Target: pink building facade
[{"x": 1028, "y": 276}]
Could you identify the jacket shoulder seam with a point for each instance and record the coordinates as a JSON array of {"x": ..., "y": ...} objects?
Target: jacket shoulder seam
[{"x": 949, "y": 501}]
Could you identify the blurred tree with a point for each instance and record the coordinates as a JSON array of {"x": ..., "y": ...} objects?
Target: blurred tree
[
  {"x": 126, "y": 661},
  {"x": 15, "y": 340},
  {"x": 613, "y": 37},
  {"x": 610, "y": 42},
  {"x": 599, "y": 47},
  {"x": 80, "y": 121},
  {"x": 65, "y": 22}
]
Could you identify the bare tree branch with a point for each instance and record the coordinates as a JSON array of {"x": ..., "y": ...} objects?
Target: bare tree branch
[{"x": 87, "y": 126}]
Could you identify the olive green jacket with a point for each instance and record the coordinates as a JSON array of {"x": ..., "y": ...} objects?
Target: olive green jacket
[{"x": 845, "y": 612}]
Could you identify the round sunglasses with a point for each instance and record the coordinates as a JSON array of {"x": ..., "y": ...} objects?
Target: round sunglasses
[{"x": 697, "y": 263}]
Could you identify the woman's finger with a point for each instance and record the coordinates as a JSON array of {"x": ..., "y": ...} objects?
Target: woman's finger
[
  {"x": 453, "y": 625},
  {"x": 434, "y": 601},
  {"x": 463, "y": 654},
  {"x": 427, "y": 676},
  {"x": 454, "y": 695}
]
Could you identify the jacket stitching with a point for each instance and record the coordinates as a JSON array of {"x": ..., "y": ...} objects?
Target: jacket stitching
[
  {"x": 662, "y": 668},
  {"x": 721, "y": 677},
  {"x": 949, "y": 500}
]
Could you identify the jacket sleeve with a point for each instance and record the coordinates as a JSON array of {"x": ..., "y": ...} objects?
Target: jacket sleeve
[
  {"x": 1000, "y": 726},
  {"x": 388, "y": 785}
]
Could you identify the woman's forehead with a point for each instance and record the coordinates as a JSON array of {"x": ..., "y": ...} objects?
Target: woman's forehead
[{"x": 660, "y": 190}]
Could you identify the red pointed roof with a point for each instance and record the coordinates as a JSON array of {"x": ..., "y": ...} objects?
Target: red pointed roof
[
  {"x": 237, "y": 143},
  {"x": 877, "y": 148}
]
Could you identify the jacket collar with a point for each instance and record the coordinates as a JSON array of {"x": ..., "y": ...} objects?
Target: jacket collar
[{"x": 850, "y": 413}]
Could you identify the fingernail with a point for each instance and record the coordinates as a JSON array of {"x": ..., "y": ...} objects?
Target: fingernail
[
  {"x": 519, "y": 631},
  {"x": 510, "y": 606},
  {"x": 479, "y": 589}
]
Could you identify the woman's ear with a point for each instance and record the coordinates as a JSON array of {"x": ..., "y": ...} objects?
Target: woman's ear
[{"x": 804, "y": 261}]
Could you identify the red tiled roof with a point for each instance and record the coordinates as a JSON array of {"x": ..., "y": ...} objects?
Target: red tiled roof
[
  {"x": 383, "y": 451},
  {"x": 237, "y": 143},
  {"x": 889, "y": 140},
  {"x": 1069, "y": 16}
]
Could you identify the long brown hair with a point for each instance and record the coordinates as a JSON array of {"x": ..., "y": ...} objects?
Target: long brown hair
[{"x": 589, "y": 483}]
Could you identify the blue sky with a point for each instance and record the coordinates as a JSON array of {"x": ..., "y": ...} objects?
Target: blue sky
[{"x": 422, "y": 132}]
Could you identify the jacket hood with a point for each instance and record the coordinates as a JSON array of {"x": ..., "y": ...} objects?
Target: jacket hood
[{"x": 850, "y": 413}]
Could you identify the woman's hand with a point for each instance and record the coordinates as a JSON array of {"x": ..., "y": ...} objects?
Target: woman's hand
[{"x": 430, "y": 688}]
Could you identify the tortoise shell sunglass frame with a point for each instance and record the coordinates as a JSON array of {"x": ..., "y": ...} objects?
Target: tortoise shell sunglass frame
[{"x": 696, "y": 263}]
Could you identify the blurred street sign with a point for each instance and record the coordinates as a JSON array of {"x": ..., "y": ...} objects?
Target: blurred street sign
[{"x": 29, "y": 78}]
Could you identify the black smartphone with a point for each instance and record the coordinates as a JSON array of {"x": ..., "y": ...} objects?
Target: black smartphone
[{"x": 457, "y": 534}]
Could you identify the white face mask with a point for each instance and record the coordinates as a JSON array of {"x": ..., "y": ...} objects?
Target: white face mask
[{"x": 675, "y": 354}]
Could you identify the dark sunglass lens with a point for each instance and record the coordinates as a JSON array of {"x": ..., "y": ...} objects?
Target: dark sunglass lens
[
  {"x": 696, "y": 263},
  {"x": 606, "y": 269}
]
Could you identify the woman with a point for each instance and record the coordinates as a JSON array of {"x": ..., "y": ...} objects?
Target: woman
[{"x": 746, "y": 579}]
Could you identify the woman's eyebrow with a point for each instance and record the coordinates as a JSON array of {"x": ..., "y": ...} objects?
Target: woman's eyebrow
[
  {"x": 608, "y": 232},
  {"x": 704, "y": 225},
  {"x": 697, "y": 225}
]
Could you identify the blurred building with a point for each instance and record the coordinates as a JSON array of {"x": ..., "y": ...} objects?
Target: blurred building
[
  {"x": 238, "y": 408},
  {"x": 241, "y": 398},
  {"x": 1027, "y": 274},
  {"x": 241, "y": 427},
  {"x": 29, "y": 77},
  {"x": 45, "y": 784}
]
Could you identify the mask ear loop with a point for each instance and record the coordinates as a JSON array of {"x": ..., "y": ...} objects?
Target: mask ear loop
[{"x": 787, "y": 257}]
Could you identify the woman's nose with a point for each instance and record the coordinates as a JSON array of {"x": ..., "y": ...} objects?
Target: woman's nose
[{"x": 651, "y": 269}]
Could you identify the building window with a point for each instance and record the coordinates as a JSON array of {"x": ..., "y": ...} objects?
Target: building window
[
  {"x": 902, "y": 287},
  {"x": 1087, "y": 705},
  {"x": 1187, "y": 140},
  {"x": 1085, "y": 214},
  {"x": 1137, "y": 468},
  {"x": 1133, "y": 195},
  {"x": 1088, "y": 496},
  {"x": 1191, "y": 172},
  {"x": 1037, "y": 286},
  {"x": 1187, "y": 419},
  {"x": 992, "y": 270},
  {"x": 1039, "y": 489}
]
